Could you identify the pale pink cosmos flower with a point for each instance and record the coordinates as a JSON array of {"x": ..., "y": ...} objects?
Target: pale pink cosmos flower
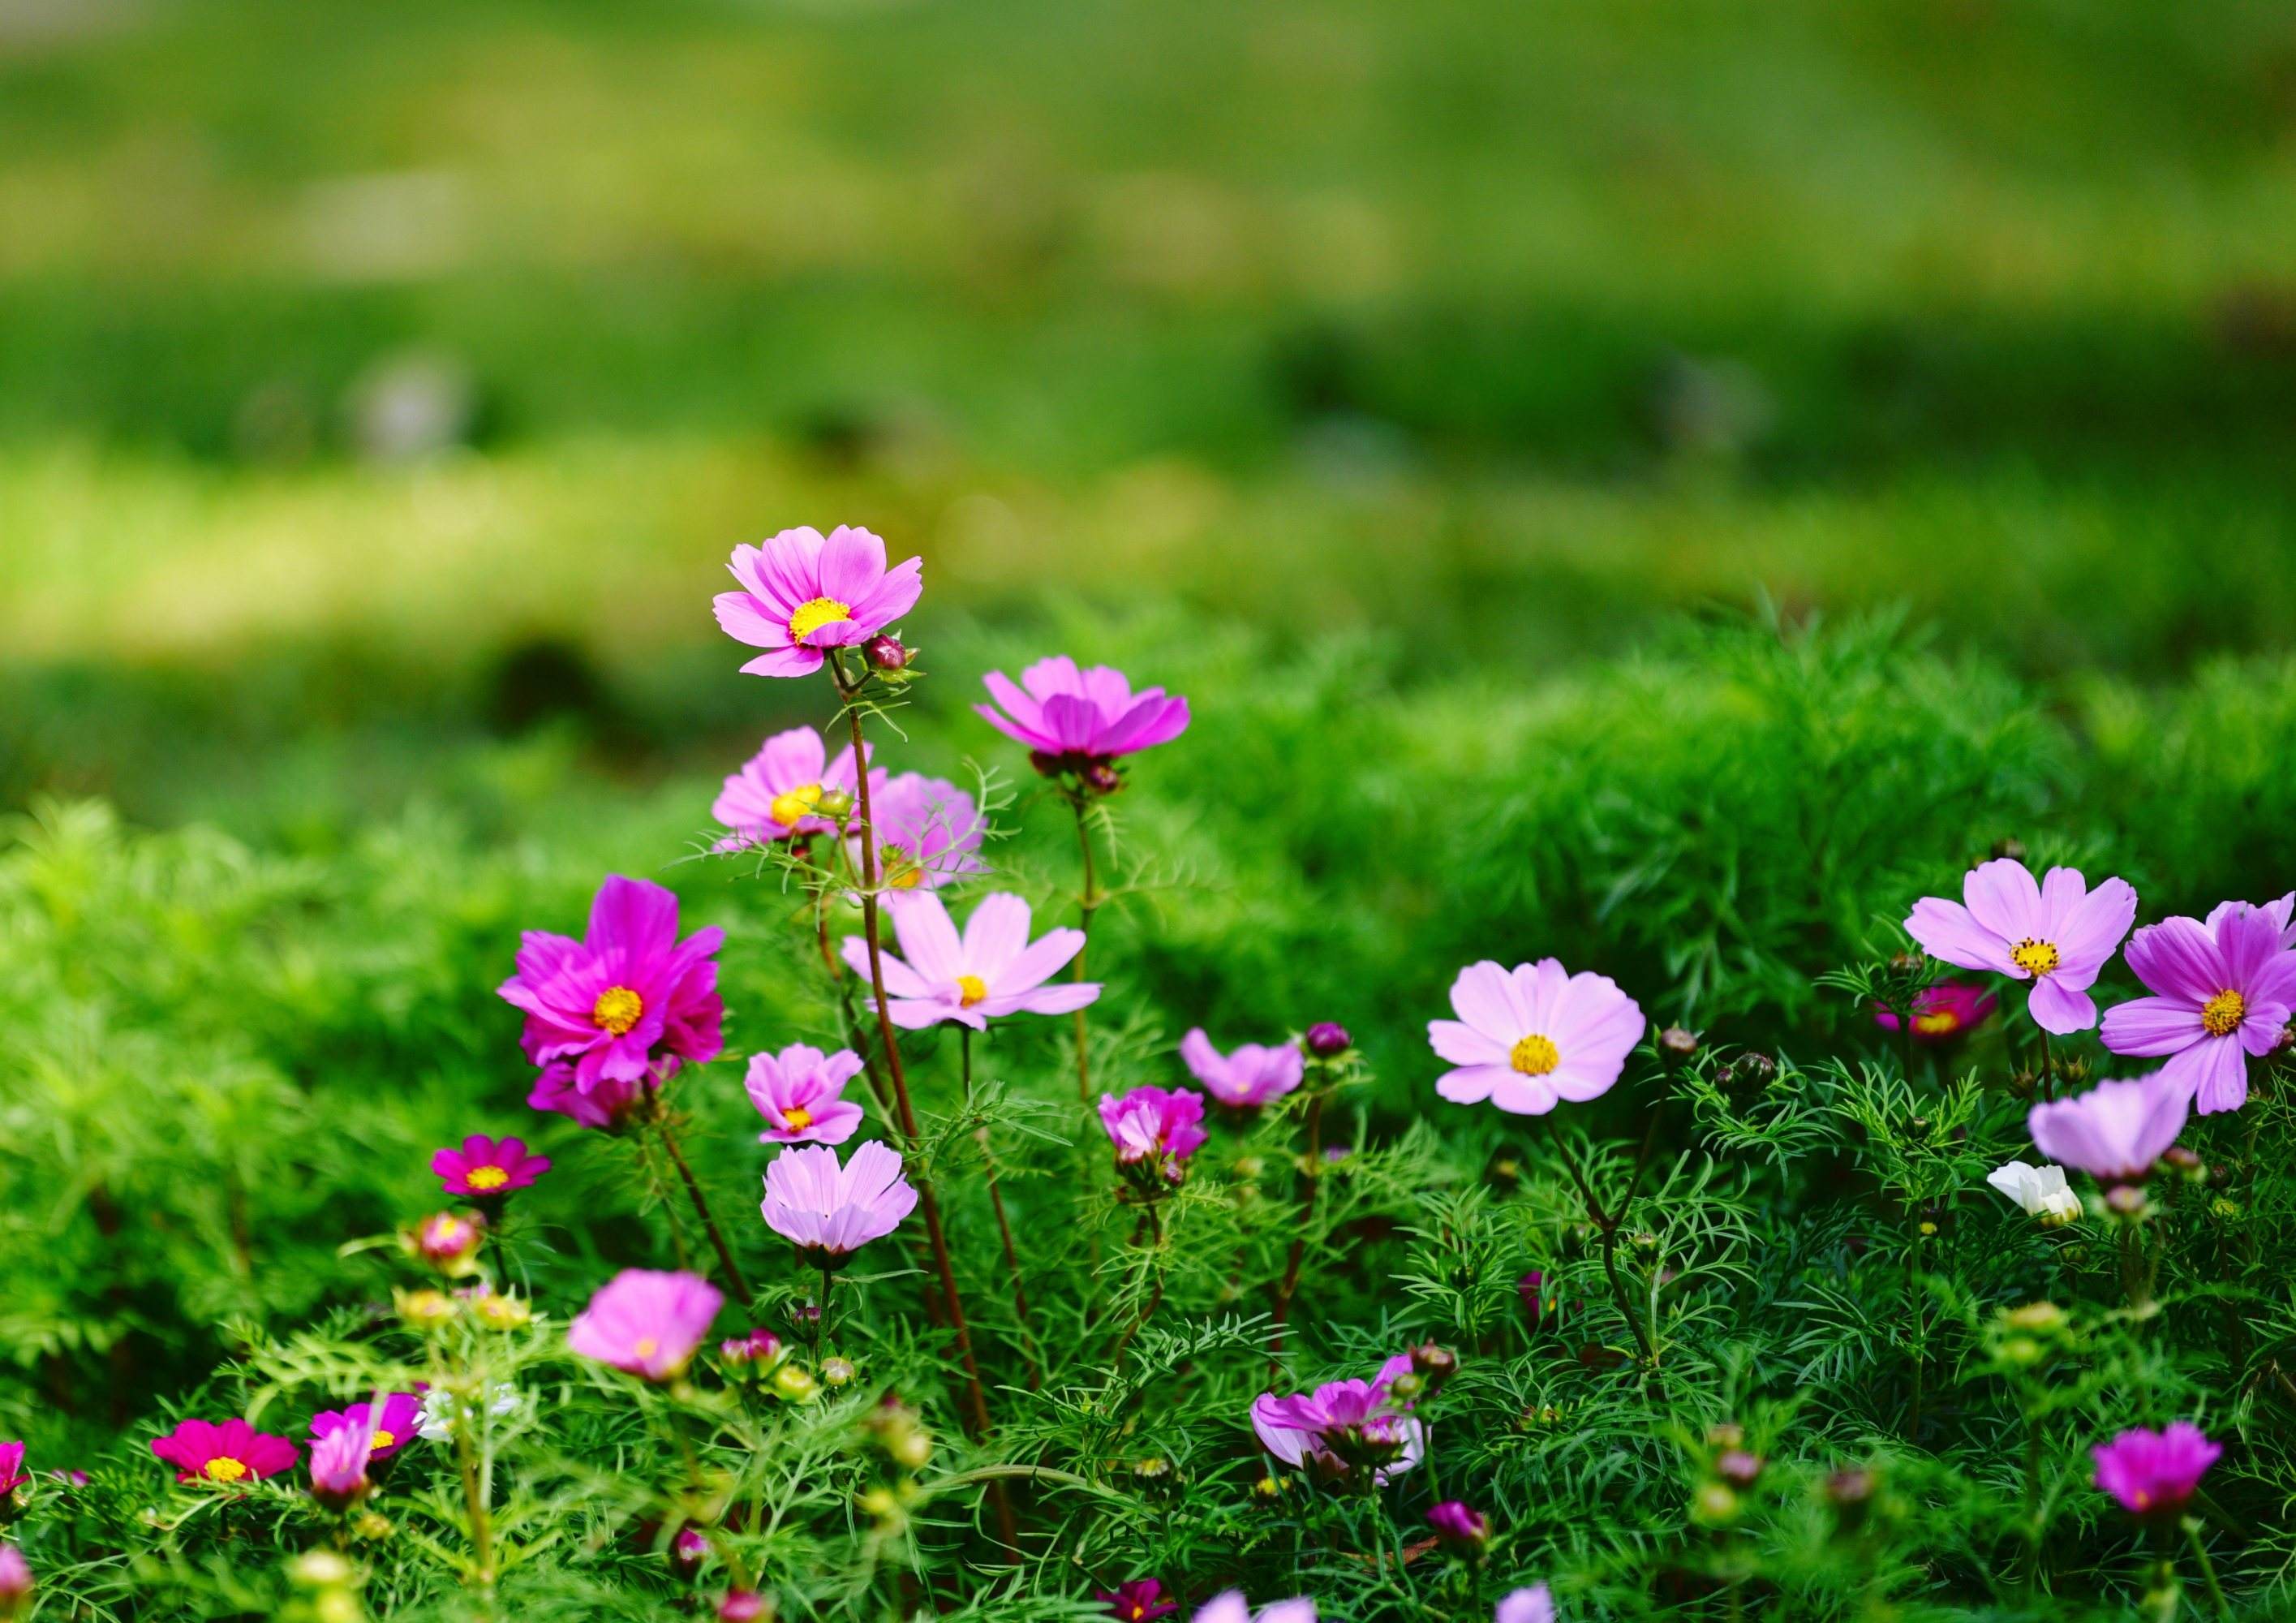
[
  {"x": 801, "y": 594},
  {"x": 927, "y": 832},
  {"x": 1247, "y": 1078},
  {"x": 1155, "y": 1129},
  {"x": 992, "y": 971},
  {"x": 2115, "y": 1130},
  {"x": 1344, "y": 1426},
  {"x": 798, "y": 1092},
  {"x": 2154, "y": 1474},
  {"x": 773, "y": 795},
  {"x": 1230, "y": 1607},
  {"x": 1530, "y": 1037},
  {"x": 339, "y": 1461},
  {"x": 829, "y": 1211},
  {"x": 627, "y": 996},
  {"x": 2222, "y": 991},
  {"x": 2057, "y": 934},
  {"x": 1071, "y": 718},
  {"x": 1531, "y": 1605},
  {"x": 645, "y": 1322}
]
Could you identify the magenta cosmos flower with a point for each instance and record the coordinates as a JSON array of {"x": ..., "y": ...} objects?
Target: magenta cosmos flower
[
  {"x": 488, "y": 1167},
  {"x": 927, "y": 832},
  {"x": 394, "y": 1428},
  {"x": 1531, "y": 1605},
  {"x": 1071, "y": 718},
  {"x": 829, "y": 1211},
  {"x": 2221, "y": 992},
  {"x": 338, "y": 1463},
  {"x": 801, "y": 594},
  {"x": 626, "y": 997},
  {"x": 13, "y": 1474},
  {"x": 797, "y": 1093},
  {"x": 1944, "y": 1012},
  {"x": 1247, "y": 1078},
  {"x": 2057, "y": 934},
  {"x": 1154, "y": 1130},
  {"x": 646, "y": 1323},
  {"x": 1137, "y": 1601},
  {"x": 772, "y": 797},
  {"x": 992, "y": 971},
  {"x": 1530, "y": 1037},
  {"x": 1230, "y": 1607},
  {"x": 1343, "y": 1427},
  {"x": 233, "y": 1452},
  {"x": 2115, "y": 1130},
  {"x": 2153, "y": 1473},
  {"x": 607, "y": 1106}
]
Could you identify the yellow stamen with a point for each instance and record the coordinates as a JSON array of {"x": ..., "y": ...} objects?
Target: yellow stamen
[
  {"x": 487, "y": 1177},
  {"x": 1535, "y": 1056},
  {"x": 811, "y": 617},
  {"x": 382, "y": 1439},
  {"x": 2222, "y": 1014},
  {"x": 618, "y": 1009},
  {"x": 222, "y": 1469},
  {"x": 972, "y": 989},
  {"x": 2035, "y": 958},
  {"x": 798, "y": 1117},
  {"x": 792, "y": 807},
  {"x": 1936, "y": 1022}
]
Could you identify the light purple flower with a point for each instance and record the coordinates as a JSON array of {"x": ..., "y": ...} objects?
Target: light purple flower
[
  {"x": 2153, "y": 1473},
  {"x": 1944, "y": 1012},
  {"x": 393, "y": 1429},
  {"x": 773, "y": 795},
  {"x": 993, "y": 970},
  {"x": 2115, "y": 1130},
  {"x": 801, "y": 594},
  {"x": 1069, "y": 718},
  {"x": 646, "y": 1323},
  {"x": 928, "y": 834},
  {"x": 626, "y": 995},
  {"x": 829, "y": 1211},
  {"x": 1154, "y": 1130},
  {"x": 339, "y": 1461},
  {"x": 1344, "y": 1426},
  {"x": 488, "y": 1167},
  {"x": 607, "y": 1105},
  {"x": 798, "y": 1091},
  {"x": 2057, "y": 934},
  {"x": 1247, "y": 1078},
  {"x": 1528, "y": 1037},
  {"x": 1531, "y": 1605},
  {"x": 1229, "y": 1607},
  {"x": 2222, "y": 991}
]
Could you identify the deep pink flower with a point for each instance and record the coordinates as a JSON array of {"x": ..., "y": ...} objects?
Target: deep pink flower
[
  {"x": 801, "y": 594},
  {"x": 829, "y": 1211},
  {"x": 1530, "y": 1037},
  {"x": 1154, "y": 1130},
  {"x": 15, "y": 1579},
  {"x": 1944, "y": 1012},
  {"x": 646, "y": 1323},
  {"x": 2153, "y": 1473},
  {"x": 488, "y": 1167},
  {"x": 2057, "y": 934},
  {"x": 1531, "y": 1605},
  {"x": 231, "y": 1452},
  {"x": 2115, "y": 1130},
  {"x": 394, "y": 1429},
  {"x": 1136, "y": 1601},
  {"x": 624, "y": 997},
  {"x": 1344, "y": 1426},
  {"x": 928, "y": 834},
  {"x": 798, "y": 1092},
  {"x": 1069, "y": 718},
  {"x": 1229, "y": 1607},
  {"x": 338, "y": 1463},
  {"x": 607, "y": 1106},
  {"x": 1247, "y": 1078},
  {"x": 2222, "y": 991},
  {"x": 993, "y": 970},
  {"x": 760, "y": 1346},
  {"x": 1456, "y": 1522},
  {"x": 773, "y": 795},
  {"x": 13, "y": 1474}
]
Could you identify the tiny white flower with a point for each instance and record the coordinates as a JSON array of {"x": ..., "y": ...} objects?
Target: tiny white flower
[
  {"x": 2040, "y": 1190},
  {"x": 438, "y": 1409}
]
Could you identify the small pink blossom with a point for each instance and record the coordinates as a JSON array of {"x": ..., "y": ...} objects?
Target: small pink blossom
[
  {"x": 773, "y": 795},
  {"x": 450, "y": 1242},
  {"x": 1247, "y": 1078},
  {"x": 396, "y": 1426},
  {"x": 2115, "y": 1130},
  {"x": 1942, "y": 1012},
  {"x": 231, "y": 1452},
  {"x": 801, "y": 593},
  {"x": 646, "y": 1323},
  {"x": 1531, "y": 1605},
  {"x": 1070, "y": 718},
  {"x": 1141, "y": 1600},
  {"x": 488, "y": 1168},
  {"x": 338, "y": 1463},
  {"x": 798, "y": 1092},
  {"x": 1344, "y": 1426},
  {"x": 927, "y": 832},
  {"x": 2222, "y": 994},
  {"x": 15, "y": 1580},
  {"x": 2057, "y": 934},
  {"x": 1530, "y": 1037},
  {"x": 829, "y": 1211},
  {"x": 1154, "y": 1130},
  {"x": 2153, "y": 1473},
  {"x": 993, "y": 970},
  {"x": 1230, "y": 1607}
]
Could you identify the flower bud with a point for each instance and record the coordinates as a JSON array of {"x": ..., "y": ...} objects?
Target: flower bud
[
  {"x": 2127, "y": 1201},
  {"x": 450, "y": 1242},
  {"x": 320, "y": 1569},
  {"x": 1101, "y": 777},
  {"x": 1738, "y": 1467},
  {"x": 1269, "y": 1489},
  {"x": 424, "y": 1310},
  {"x": 793, "y": 1385},
  {"x": 885, "y": 653},
  {"x": 15, "y": 1582},
  {"x": 498, "y": 1312},
  {"x": 2041, "y": 1317},
  {"x": 835, "y": 804},
  {"x": 837, "y": 1371},
  {"x": 1678, "y": 1044},
  {"x": 1436, "y": 1363},
  {"x": 1460, "y": 1526},
  {"x": 372, "y": 1526},
  {"x": 2283, "y": 1041},
  {"x": 742, "y": 1606},
  {"x": 1328, "y": 1039},
  {"x": 1850, "y": 1493},
  {"x": 1408, "y": 1388},
  {"x": 687, "y": 1551},
  {"x": 1047, "y": 763},
  {"x": 1714, "y": 1505}
]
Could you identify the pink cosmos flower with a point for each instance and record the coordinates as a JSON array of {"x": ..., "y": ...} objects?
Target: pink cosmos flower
[
  {"x": 1457, "y": 1522},
  {"x": 1531, "y": 1605},
  {"x": 339, "y": 1461},
  {"x": 13, "y": 1474},
  {"x": 393, "y": 1429},
  {"x": 993, "y": 970},
  {"x": 2222, "y": 991},
  {"x": 801, "y": 594},
  {"x": 2153, "y": 1473},
  {"x": 2115, "y": 1130},
  {"x": 2057, "y": 934},
  {"x": 829, "y": 1211},
  {"x": 1154, "y": 1130},
  {"x": 1137, "y": 1601},
  {"x": 607, "y": 1106},
  {"x": 450, "y": 1242},
  {"x": 1343, "y": 1427},
  {"x": 1247, "y": 1078},
  {"x": 232, "y": 1452},
  {"x": 646, "y": 1323},
  {"x": 1528, "y": 1037},
  {"x": 928, "y": 834},
  {"x": 1230, "y": 1608},
  {"x": 1944, "y": 1012},
  {"x": 1069, "y": 718},
  {"x": 773, "y": 795},
  {"x": 742, "y": 1606},
  {"x": 797, "y": 1093},
  {"x": 15, "y": 1579},
  {"x": 628, "y": 994},
  {"x": 488, "y": 1167}
]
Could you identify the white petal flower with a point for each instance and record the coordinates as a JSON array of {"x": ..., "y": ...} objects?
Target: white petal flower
[{"x": 2041, "y": 1191}]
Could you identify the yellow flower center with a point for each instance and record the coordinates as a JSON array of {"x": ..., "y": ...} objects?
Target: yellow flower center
[
  {"x": 647, "y": 1347},
  {"x": 970, "y": 989},
  {"x": 2222, "y": 1014},
  {"x": 798, "y": 1117},
  {"x": 811, "y": 617},
  {"x": 382, "y": 1439},
  {"x": 224, "y": 1469},
  {"x": 896, "y": 869},
  {"x": 2035, "y": 958},
  {"x": 1535, "y": 1056},
  {"x": 788, "y": 809},
  {"x": 1935, "y": 1021},
  {"x": 487, "y": 1177},
  {"x": 618, "y": 1009}
]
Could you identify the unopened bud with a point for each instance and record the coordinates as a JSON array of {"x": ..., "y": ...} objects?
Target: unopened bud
[
  {"x": 1407, "y": 1386},
  {"x": 1738, "y": 1467},
  {"x": 320, "y": 1569},
  {"x": 1101, "y": 777},
  {"x": 793, "y": 1385},
  {"x": 885, "y": 653},
  {"x": 1850, "y": 1491},
  {"x": 1714, "y": 1505},
  {"x": 2043, "y": 1318},
  {"x": 1327, "y": 1040},
  {"x": 1678, "y": 1044},
  {"x": 425, "y": 1309},
  {"x": 837, "y": 1371},
  {"x": 1436, "y": 1363},
  {"x": 1728, "y": 1434},
  {"x": 835, "y": 804},
  {"x": 497, "y": 1311},
  {"x": 687, "y": 1551},
  {"x": 1460, "y": 1526},
  {"x": 2126, "y": 1200},
  {"x": 15, "y": 1582}
]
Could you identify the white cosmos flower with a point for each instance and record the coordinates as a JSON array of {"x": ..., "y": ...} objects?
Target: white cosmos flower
[
  {"x": 439, "y": 1408},
  {"x": 2040, "y": 1190}
]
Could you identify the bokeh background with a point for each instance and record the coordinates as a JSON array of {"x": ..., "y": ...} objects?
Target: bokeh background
[{"x": 379, "y": 384}]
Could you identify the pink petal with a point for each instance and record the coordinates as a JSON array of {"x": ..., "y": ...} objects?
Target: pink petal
[
  {"x": 2002, "y": 897},
  {"x": 2177, "y": 959},
  {"x": 2087, "y": 935},
  {"x": 1039, "y": 961},
  {"x": 1945, "y": 930},
  {"x": 1471, "y": 1084},
  {"x": 852, "y": 564},
  {"x": 929, "y": 941},
  {"x": 2058, "y": 1007},
  {"x": 995, "y": 935},
  {"x": 1462, "y": 1044},
  {"x": 2150, "y": 1026},
  {"x": 740, "y": 618},
  {"x": 1484, "y": 997}
]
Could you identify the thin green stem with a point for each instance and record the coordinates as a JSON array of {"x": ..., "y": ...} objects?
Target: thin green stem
[
  {"x": 1310, "y": 1185},
  {"x": 1088, "y": 902},
  {"x": 2208, "y": 1567},
  {"x": 702, "y": 1209}
]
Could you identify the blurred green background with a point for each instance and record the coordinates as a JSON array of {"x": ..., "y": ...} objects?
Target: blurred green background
[{"x": 380, "y": 382}]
